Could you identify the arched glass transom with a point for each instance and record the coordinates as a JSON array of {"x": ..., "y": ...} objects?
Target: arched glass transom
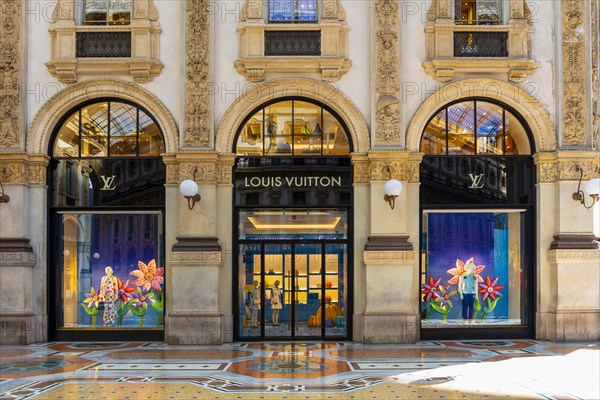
[
  {"x": 293, "y": 127},
  {"x": 472, "y": 127},
  {"x": 109, "y": 128}
]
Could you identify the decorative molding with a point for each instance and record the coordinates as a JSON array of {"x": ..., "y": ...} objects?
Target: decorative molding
[
  {"x": 388, "y": 243},
  {"x": 522, "y": 102},
  {"x": 332, "y": 63},
  {"x": 11, "y": 112},
  {"x": 17, "y": 259},
  {"x": 211, "y": 168},
  {"x": 22, "y": 168},
  {"x": 360, "y": 162},
  {"x": 441, "y": 63},
  {"x": 53, "y": 110},
  {"x": 196, "y": 244},
  {"x": 575, "y": 241},
  {"x": 574, "y": 71},
  {"x": 197, "y": 55},
  {"x": 15, "y": 245},
  {"x": 573, "y": 256},
  {"x": 144, "y": 63},
  {"x": 563, "y": 165},
  {"x": 292, "y": 87},
  {"x": 372, "y": 258},
  {"x": 402, "y": 165},
  {"x": 387, "y": 86},
  {"x": 195, "y": 259}
]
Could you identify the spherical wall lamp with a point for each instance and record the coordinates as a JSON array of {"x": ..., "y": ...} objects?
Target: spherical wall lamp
[
  {"x": 592, "y": 188},
  {"x": 392, "y": 190},
  {"x": 189, "y": 190}
]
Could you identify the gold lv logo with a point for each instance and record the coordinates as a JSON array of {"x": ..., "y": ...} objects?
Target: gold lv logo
[
  {"x": 476, "y": 181},
  {"x": 108, "y": 181}
]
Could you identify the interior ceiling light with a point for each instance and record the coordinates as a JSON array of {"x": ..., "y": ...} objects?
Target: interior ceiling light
[{"x": 288, "y": 224}]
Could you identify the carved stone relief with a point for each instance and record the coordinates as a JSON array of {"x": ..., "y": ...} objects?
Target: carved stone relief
[
  {"x": 196, "y": 128},
  {"x": 595, "y": 72},
  {"x": 210, "y": 167},
  {"x": 574, "y": 115},
  {"x": 10, "y": 73},
  {"x": 387, "y": 85},
  {"x": 20, "y": 168}
]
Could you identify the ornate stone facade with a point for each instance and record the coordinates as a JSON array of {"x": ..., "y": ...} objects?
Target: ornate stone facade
[
  {"x": 387, "y": 87},
  {"x": 23, "y": 169},
  {"x": 11, "y": 113},
  {"x": 574, "y": 71},
  {"x": 563, "y": 165},
  {"x": 197, "y": 42},
  {"x": 595, "y": 72},
  {"x": 211, "y": 168}
]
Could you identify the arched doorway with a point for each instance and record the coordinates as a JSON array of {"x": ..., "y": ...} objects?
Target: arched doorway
[
  {"x": 292, "y": 270},
  {"x": 477, "y": 201},
  {"x": 106, "y": 189}
]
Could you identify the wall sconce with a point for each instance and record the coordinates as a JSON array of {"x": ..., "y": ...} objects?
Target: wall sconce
[
  {"x": 189, "y": 190},
  {"x": 4, "y": 198},
  {"x": 592, "y": 188},
  {"x": 392, "y": 188}
]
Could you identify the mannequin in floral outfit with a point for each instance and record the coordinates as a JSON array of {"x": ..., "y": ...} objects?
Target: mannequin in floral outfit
[
  {"x": 108, "y": 295},
  {"x": 254, "y": 305},
  {"x": 276, "y": 303}
]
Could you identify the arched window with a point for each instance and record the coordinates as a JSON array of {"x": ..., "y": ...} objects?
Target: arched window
[
  {"x": 292, "y": 11},
  {"x": 111, "y": 128},
  {"x": 478, "y": 12},
  {"x": 472, "y": 127},
  {"x": 107, "y": 12},
  {"x": 293, "y": 127}
]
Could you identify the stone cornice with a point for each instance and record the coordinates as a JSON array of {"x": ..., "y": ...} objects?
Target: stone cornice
[
  {"x": 212, "y": 167},
  {"x": 23, "y": 168},
  {"x": 563, "y": 165},
  {"x": 195, "y": 259},
  {"x": 386, "y": 258},
  {"x": 574, "y": 256}
]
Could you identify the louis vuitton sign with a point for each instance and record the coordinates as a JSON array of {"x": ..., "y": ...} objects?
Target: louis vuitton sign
[{"x": 292, "y": 181}]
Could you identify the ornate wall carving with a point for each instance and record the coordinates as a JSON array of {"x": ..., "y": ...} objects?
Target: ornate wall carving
[
  {"x": 402, "y": 165},
  {"x": 387, "y": 86},
  {"x": 574, "y": 71},
  {"x": 24, "y": 169},
  {"x": 11, "y": 114},
  {"x": 211, "y": 168},
  {"x": 197, "y": 42},
  {"x": 563, "y": 165},
  {"x": 595, "y": 73}
]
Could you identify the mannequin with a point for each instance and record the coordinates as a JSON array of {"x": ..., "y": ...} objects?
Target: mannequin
[
  {"x": 467, "y": 287},
  {"x": 254, "y": 305},
  {"x": 108, "y": 295},
  {"x": 276, "y": 303}
]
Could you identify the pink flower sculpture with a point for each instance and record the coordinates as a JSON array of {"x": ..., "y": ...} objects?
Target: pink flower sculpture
[
  {"x": 460, "y": 269},
  {"x": 124, "y": 290},
  {"x": 148, "y": 276},
  {"x": 92, "y": 300},
  {"x": 489, "y": 288},
  {"x": 431, "y": 289}
]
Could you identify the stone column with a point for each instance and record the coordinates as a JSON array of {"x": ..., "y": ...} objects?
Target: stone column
[
  {"x": 391, "y": 309},
  {"x": 195, "y": 288},
  {"x": 568, "y": 253}
]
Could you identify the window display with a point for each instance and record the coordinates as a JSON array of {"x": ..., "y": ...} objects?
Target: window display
[
  {"x": 471, "y": 268},
  {"x": 99, "y": 290}
]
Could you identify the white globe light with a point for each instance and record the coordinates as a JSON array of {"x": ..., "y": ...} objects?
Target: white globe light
[
  {"x": 96, "y": 256},
  {"x": 592, "y": 187},
  {"x": 393, "y": 187},
  {"x": 188, "y": 188}
]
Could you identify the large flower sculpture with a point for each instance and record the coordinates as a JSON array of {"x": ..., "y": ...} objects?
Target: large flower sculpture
[
  {"x": 140, "y": 300},
  {"x": 148, "y": 276},
  {"x": 446, "y": 297},
  {"x": 124, "y": 290},
  {"x": 460, "y": 269},
  {"x": 92, "y": 300},
  {"x": 489, "y": 288},
  {"x": 430, "y": 290}
]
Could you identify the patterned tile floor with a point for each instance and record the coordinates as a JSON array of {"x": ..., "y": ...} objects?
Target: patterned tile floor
[{"x": 520, "y": 369}]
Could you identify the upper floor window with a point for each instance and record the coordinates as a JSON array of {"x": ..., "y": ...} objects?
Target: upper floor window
[
  {"x": 107, "y": 12},
  {"x": 293, "y": 127},
  {"x": 472, "y": 127},
  {"x": 478, "y": 12},
  {"x": 292, "y": 11},
  {"x": 109, "y": 129}
]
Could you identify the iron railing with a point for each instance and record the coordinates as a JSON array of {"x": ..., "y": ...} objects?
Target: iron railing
[
  {"x": 103, "y": 44},
  {"x": 480, "y": 44},
  {"x": 292, "y": 43}
]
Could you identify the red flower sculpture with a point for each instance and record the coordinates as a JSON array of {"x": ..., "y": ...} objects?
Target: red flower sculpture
[
  {"x": 489, "y": 288},
  {"x": 460, "y": 269},
  {"x": 432, "y": 289}
]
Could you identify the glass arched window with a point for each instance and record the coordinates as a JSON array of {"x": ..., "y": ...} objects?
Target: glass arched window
[
  {"x": 109, "y": 128},
  {"x": 478, "y": 12},
  {"x": 293, "y": 127},
  {"x": 292, "y": 11},
  {"x": 472, "y": 127},
  {"x": 107, "y": 12}
]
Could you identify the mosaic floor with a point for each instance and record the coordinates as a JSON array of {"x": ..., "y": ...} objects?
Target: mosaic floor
[{"x": 522, "y": 369}]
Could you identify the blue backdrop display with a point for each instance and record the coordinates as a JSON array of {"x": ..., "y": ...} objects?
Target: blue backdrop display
[{"x": 451, "y": 241}]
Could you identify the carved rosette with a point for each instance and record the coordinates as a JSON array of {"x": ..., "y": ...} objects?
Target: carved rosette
[
  {"x": 574, "y": 71},
  {"x": 10, "y": 74},
  {"x": 196, "y": 125},
  {"x": 387, "y": 86}
]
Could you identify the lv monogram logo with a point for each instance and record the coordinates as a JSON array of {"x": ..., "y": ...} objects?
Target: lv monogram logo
[
  {"x": 476, "y": 181},
  {"x": 108, "y": 181}
]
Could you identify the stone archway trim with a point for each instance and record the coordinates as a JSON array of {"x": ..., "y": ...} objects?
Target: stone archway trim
[
  {"x": 292, "y": 87},
  {"x": 47, "y": 118},
  {"x": 514, "y": 96}
]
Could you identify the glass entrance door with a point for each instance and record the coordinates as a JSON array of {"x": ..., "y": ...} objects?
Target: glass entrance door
[{"x": 293, "y": 290}]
